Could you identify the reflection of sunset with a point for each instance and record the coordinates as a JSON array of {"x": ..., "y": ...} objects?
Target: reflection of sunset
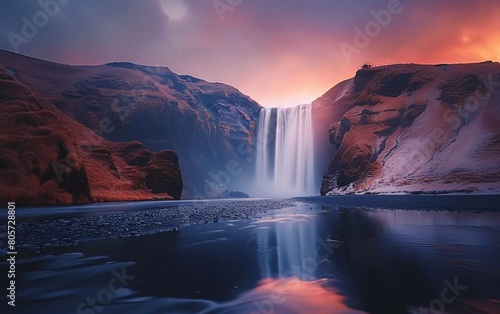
[
  {"x": 292, "y": 295},
  {"x": 280, "y": 54}
]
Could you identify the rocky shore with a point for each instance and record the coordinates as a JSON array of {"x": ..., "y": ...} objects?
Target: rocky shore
[{"x": 51, "y": 233}]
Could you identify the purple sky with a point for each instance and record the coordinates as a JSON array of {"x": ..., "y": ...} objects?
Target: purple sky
[{"x": 280, "y": 53}]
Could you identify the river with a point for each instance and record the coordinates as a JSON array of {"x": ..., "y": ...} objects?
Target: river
[{"x": 318, "y": 255}]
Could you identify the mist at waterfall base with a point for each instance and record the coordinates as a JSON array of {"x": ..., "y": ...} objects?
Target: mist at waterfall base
[{"x": 284, "y": 165}]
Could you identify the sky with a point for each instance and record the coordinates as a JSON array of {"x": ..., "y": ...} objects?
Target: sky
[{"x": 280, "y": 53}]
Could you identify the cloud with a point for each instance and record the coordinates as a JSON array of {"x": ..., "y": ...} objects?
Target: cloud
[
  {"x": 92, "y": 32},
  {"x": 175, "y": 10},
  {"x": 278, "y": 52}
]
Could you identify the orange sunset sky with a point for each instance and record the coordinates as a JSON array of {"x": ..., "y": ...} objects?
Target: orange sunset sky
[{"x": 280, "y": 53}]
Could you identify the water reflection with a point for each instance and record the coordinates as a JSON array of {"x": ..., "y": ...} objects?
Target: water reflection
[
  {"x": 289, "y": 295},
  {"x": 286, "y": 246},
  {"x": 404, "y": 261},
  {"x": 303, "y": 260}
]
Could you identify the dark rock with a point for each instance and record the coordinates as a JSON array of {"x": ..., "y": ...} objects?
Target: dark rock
[
  {"x": 163, "y": 174},
  {"x": 338, "y": 130},
  {"x": 355, "y": 160},
  {"x": 459, "y": 86},
  {"x": 235, "y": 194}
]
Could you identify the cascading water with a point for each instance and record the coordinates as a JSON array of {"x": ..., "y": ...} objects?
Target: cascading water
[{"x": 285, "y": 153}]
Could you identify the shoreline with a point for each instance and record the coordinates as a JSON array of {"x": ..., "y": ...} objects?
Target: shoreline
[
  {"x": 166, "y": 201},
  {"x": 447, "y": 202},
  {"x": 54, "y": 231},
  {"x": 70, "y": 228}
]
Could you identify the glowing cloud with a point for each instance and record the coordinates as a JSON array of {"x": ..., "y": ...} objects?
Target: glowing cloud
[{"x": 280, "y": 53}]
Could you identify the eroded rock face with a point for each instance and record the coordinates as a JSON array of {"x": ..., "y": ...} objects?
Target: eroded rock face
[
  {"x": 413, "y": 128},
  {"x": 337, "y": 132},
  {"x": 37, "y": 163},
  {"x": 48, "y": 158},
  {"x": 206, "y": 124},
  {"x": 163, "y": 174}
]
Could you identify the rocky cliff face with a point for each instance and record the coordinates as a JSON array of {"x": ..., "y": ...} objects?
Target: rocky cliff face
[
  {"x": 48, "y": 158},
  {"x": 208, "y": 125},
  {"x": 414, "y": 128}
]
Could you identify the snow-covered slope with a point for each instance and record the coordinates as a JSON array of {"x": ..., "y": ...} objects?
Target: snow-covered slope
[{"x": 415, "y": 128}]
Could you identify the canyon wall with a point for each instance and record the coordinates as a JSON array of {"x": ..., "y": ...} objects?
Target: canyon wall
[
  {"x": 209, "y": 125},
  {"x": 47, "y": 157},
  {"x": 414, "y": 128}
]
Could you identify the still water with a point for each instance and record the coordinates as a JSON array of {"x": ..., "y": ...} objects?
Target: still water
[{"x": 310, "y": 258}]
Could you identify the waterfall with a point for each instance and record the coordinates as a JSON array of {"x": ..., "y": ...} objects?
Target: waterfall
[{"x": 285, "y": 153}]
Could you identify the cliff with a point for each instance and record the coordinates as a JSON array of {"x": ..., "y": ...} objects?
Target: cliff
[
  {"x": 414, "y": 128},
  {"x": 48, "y": 158},
  {"x": 209, "y": 125}
]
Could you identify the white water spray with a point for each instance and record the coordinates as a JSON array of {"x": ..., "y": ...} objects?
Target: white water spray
[{"x": 285, "y": 153}]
